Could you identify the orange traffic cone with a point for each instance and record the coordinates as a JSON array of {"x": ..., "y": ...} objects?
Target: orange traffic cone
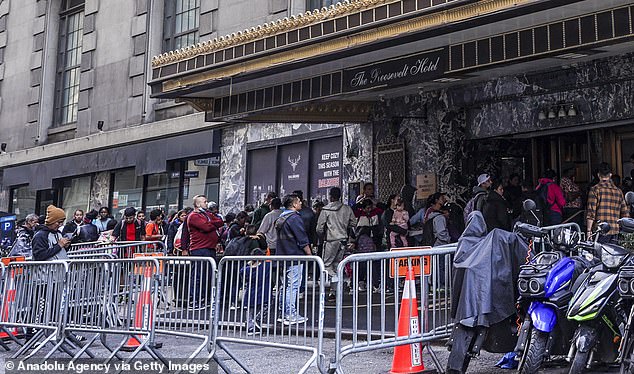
[
  {"x": 408, "y": 358},
  {"x": 143, "y": 311}
]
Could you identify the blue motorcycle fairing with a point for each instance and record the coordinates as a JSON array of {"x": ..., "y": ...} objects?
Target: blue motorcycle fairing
[
  {"x": 558, "y": 276},
  {"x": 544, "y": 316}
]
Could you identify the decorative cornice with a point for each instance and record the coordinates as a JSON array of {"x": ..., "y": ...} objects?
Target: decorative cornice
[
  {"x": 268, "y": 29},
  {"x": 384, "y": 32}
]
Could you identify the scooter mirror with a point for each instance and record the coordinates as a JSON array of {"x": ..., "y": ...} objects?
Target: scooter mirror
[
  {"x": 629, "y": 198},
  {"x": 604, "y": 227},
  {"x": 529, "y": 205}
]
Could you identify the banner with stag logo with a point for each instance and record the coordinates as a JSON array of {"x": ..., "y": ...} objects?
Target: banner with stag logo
[{"x": 293, "y": 162}]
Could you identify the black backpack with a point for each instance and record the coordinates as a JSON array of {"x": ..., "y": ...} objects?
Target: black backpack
[
  {"x": 429, "y": 238},
  {"x": 541, "y": 202},
  {"x": 238, "y": 246}
]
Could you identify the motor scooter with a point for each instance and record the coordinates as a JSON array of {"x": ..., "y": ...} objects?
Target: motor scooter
[
  {"x": 597, "y": 307},
  {"x": 546, "y": 287}
]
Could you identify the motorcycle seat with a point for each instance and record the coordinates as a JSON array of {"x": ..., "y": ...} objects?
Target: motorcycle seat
[{"x": 627, "y": 225}]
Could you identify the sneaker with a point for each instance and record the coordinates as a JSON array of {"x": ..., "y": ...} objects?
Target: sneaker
[
  {"x": 389, "y": 291},
  {"x": 233, "y": 306},
  {"x": 294, "y": 320},
  {"x": 253, "y": 330},
  {"x": 362, "y": 286},
  {"x": 301, "y": 296},
  {"x": 332, "y": 296}
]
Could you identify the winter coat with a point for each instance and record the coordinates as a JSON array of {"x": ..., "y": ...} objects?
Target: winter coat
[
  {"x": 291, "y": 235},
  {"x": 336, "y": 221},
  {"x": 556, "y": 200},
  {"x": 88, "y": 233},
  {"x": 22, "y": 245},
  {"x": 495, "y": 212},
  {"x": 45, "y": 245}
]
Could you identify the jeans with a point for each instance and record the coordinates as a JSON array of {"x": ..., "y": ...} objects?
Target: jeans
[
  {"x": 293, "y": 282},
  {"x": 199, "y": 290}
]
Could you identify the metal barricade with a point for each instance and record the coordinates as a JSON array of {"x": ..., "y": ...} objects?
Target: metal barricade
[
  {"x": 33, "y": 297},
  {"x": 116, "y": 297},
  {"x": 368, "y": 311},
  {"x": 120, "y": 249},
  {"x": 187, "y": 288},
  {"x": 271, "y": 301}
]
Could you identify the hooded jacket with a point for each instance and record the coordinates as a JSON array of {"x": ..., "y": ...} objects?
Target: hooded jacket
[
  {"x": 22, "y": 245},
  {"x": 45, "y": 245},
  {"x": 335, "y": 221}
]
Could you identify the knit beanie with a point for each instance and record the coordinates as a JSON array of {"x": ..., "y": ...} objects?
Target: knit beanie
[{"x": 54, "y": 214}]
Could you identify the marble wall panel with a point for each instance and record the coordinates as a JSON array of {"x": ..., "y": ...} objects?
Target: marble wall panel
[{"x": 100, "y": 190}]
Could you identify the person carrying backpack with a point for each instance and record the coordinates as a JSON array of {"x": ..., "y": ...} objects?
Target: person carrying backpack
[
  {"x": 550, "y": 199},
  {"x": 435, "y": 231},
  {"x": 479, "y": 195}
]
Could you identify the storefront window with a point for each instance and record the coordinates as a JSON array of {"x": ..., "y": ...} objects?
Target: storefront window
[
  {"x": 44, "y": 199},
  {"x": 127, "y": 191},
  {"x": 75, "y": 195},
  {"x": 22, "y": 201},
  {"x": 162, "y": 189},
  {"x": 201, "y": 177}
]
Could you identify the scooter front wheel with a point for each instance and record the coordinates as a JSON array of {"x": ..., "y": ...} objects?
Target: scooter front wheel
[
  {"x": 535, "y": 353},
  {"x": 579, "y": 363}
]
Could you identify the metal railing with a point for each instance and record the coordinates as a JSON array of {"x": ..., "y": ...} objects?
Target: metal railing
[
  {"x": 186, "y": 300},
  {"x": 271, "y": 301},
  {"x": 117, "y": 249},
  {"x": 32, "y": 298},
  {"x": 371, "y": 315}
]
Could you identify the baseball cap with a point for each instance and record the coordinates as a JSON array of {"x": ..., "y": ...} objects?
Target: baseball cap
[
  {"x": 211, "y": 205},
  {"x": 483, "y": 178}
]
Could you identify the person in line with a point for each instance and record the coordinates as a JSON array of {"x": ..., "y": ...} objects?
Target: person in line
[
  {"x": 496, "y": 209},
  {"x": 513, "y": 195},
  {"x": 237, "y": 228},
  {"x": 173, "y": 243},
  {"x": 254, "y": 278},
  {"x": 555, "y": 201},
  {"x": 48, "y": 243},
  {"x": 24, "y": 237},
  {"x": 104, "y": 220},
  {"x": 154, "y": 228},
  {"x": 263, "y": 210},
  {"x": 88, "y": 232},
  {"x": 336, "y": 222},
  {"x": 400, "y": 218},
  {"x": 367, "y": 240},
  {"x": 267, "y": 226},
  {"x": 292, "y": 240},
  {"x": 202, "y": 227},
  {"x": 72, "y": 228},
  {"x": 128, "y": 229},
  {"x": 308, "y": 217},
  {"x": 572, "y": 195},
  {"x": 605, "y": 204},
  {"x": 479, "y": 195},
  {"x": 437, "y": 215}
]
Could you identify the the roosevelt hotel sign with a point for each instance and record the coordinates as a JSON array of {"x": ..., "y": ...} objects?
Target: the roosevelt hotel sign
[{"x": 412, "y": 69}]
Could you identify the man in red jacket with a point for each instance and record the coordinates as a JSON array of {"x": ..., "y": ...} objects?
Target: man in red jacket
[
  {"x": 203, "y": 226},
  {"x": 203, "y": 238}
]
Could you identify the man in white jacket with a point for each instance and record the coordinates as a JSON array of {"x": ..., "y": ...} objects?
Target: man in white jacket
[{"x": 335, "y": 223}]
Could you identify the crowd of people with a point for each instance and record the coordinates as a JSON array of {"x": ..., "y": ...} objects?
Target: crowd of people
[{"x": 288, "y": 225}]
